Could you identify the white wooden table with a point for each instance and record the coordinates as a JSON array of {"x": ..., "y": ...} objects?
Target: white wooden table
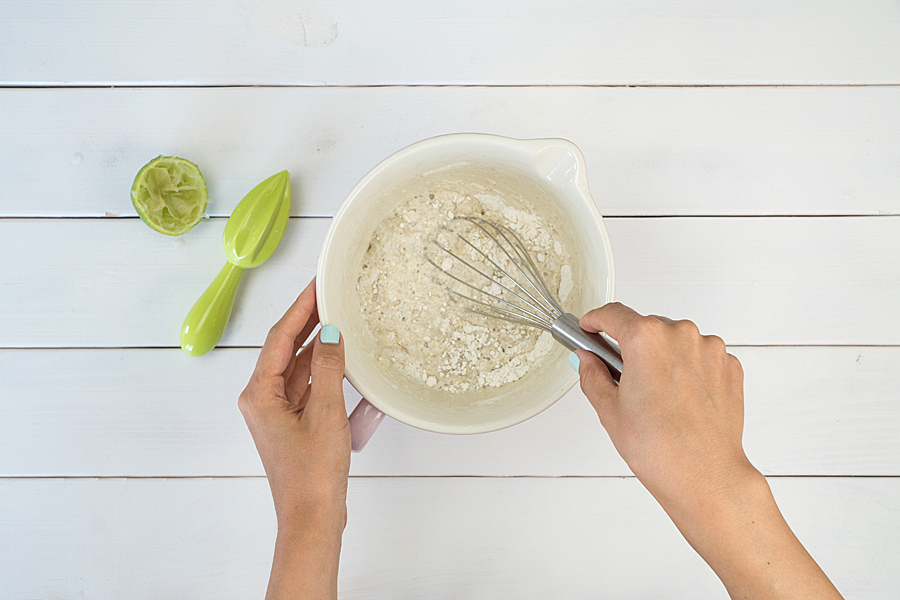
[{"x": 746, "y": 156}]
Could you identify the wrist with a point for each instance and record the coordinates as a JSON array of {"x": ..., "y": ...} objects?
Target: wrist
[
  {"x": 323, "y": 516},
  {"x": 738, "y": 532},
  {"x": 752, "y": 549},
  {"x": 710, "y": 509},
  {"x": 696, "y": 493},
  {"x": 307, "y": 554}
]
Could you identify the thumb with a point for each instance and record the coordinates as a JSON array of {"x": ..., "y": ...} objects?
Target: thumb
[
  {"x": 596, "y": 383},
  {"x": 326, "y": 371},
  {"x": 614, "y": 318}
]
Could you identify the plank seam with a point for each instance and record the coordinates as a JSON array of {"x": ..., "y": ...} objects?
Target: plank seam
[
  {"x": 664, "y": 216},
  {"x": 779, "y": 476},
  {"x": 111, "y": 348},
  {"x": 98, "y": 86}
]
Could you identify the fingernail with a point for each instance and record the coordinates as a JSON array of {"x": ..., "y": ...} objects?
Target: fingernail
[
  {"x": 329, "y": 334},
  {"x": 573, "y": 360}
]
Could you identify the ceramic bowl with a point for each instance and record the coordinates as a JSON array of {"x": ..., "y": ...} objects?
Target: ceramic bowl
[{"x": 549, "y": 172}]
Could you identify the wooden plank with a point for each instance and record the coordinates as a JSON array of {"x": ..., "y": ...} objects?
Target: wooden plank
[
  {"x": 809, "y": 411},
  {"x": 411, "y": 538},
  {"x": 659, "y": 151},
  {"x": 114, "y": 283},
  {"x": 766, "y": 280},
  {"x": 407, "y": 42}
]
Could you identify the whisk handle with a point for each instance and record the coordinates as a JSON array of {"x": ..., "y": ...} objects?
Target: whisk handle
[{"x": 569, "y": 333}]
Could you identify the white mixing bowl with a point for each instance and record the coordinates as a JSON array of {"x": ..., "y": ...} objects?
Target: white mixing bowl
[{"x": 549, "y": 172}]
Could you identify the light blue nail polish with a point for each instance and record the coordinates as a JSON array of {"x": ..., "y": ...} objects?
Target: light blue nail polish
[
  {"x": 329, "y": 334},
  {"x": 573, "y": 360}
]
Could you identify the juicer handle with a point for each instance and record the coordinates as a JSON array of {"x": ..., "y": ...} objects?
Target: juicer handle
[
  {"x": 364, "y": 421},
  {"x": 569, "y": 333},
  {"x": 205, "y": 322}
]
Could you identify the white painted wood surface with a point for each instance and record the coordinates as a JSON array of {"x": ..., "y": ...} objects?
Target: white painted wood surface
[
  {"x": 115, "y": 282},
  {"x": 649, "y": 151},
  {"x": 786, "y": 243},
  {"x": 808, "y": 411},
  {"x": 462, "y": 42},
  {"x": 415, "y": 538}
]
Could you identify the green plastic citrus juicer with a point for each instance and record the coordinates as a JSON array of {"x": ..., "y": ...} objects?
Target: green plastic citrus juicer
[{"x": 251, "y": 235}]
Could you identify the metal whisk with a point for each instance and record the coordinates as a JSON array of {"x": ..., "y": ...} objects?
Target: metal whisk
[{"x": 520, "y": 297}]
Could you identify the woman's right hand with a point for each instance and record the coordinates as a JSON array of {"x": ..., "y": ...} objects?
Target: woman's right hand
[
  {"x": 677, "y": 418},
  {"x": 677, "y": 415}
]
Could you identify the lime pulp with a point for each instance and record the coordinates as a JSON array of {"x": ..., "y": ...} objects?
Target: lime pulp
[{"x": 169, "y": 193}]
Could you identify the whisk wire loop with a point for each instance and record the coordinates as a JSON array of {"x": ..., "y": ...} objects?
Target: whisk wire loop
[
  {"x": 526, "y": 313},
  {"x": 534, "y": 275},
  {"x": 507, "y": 315},
  {"x": 535, "y": 302}
]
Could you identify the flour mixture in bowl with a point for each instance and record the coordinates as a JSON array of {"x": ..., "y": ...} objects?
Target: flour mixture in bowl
[{"x": 420, "y": 331}]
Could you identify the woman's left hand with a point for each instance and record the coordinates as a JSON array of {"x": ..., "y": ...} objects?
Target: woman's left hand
[{"x": 294, "y": 408}]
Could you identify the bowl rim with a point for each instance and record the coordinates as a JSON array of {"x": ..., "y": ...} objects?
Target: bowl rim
[{"x": 424, "y": 145}]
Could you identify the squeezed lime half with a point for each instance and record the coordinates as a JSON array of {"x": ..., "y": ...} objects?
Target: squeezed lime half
[{"x": 169, "y": 194}]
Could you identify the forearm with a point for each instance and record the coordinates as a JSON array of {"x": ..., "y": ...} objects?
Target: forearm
[
  {"x": 746, "y": 541},
  {"x": 305, "y": 565}
]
